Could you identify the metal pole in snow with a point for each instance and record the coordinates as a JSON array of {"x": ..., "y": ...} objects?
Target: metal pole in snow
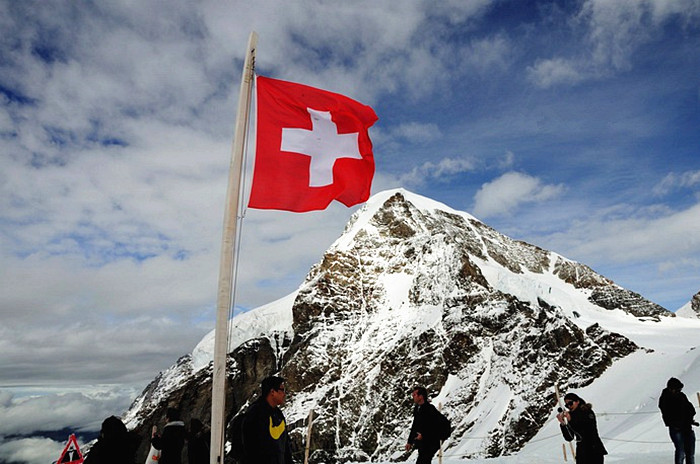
[
  {"x": 440, "y": 448},
  {"x": 308, "y": 437}
]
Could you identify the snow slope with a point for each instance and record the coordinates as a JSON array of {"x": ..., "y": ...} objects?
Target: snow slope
[
  {"x": 624, "y": 398},
  {"x": 272, "y": 317}
]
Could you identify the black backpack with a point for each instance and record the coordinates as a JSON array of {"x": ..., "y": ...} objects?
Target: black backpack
[
  {"x": 236, "y": 436},
  {"x": 444, "y": 426}
]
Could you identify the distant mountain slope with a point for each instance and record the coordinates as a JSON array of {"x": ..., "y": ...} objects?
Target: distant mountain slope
[
  {"x": 691, "y": 309},
  {"x": 414, "y": 292}
]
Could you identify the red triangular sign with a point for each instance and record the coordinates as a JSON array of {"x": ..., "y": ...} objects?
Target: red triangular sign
[{"x": 71, "y": 453}]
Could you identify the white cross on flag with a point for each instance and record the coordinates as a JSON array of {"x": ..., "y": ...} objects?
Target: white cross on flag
[{"x": 312, "y": 147}]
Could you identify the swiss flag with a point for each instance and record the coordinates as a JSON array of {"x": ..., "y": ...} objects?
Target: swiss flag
[{"x": 312, "y": 147}]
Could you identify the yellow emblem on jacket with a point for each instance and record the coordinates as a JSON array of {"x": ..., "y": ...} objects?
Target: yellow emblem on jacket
[{"x": 276, "y": 432}]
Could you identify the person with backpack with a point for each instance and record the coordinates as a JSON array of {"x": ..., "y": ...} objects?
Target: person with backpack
[
  {"x": 678, "y": 412},
  {"x": 429, "y": 427},
  {"x": 265, "y": 438}
]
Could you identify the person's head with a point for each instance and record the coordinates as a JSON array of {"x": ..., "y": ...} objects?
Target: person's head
[
  {"x": 172, "y": 414},
  {"x": 572, "y": 401},
  {"x": 674, "y": 384},
  {"x": 196, "y": 425},
  {"x": 113, "y": 428},
  {"x": 419, "y": 395},
  {"x": 273, "y": 390}
]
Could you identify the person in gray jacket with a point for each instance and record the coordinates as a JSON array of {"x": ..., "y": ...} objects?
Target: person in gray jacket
[{"x": 171, "y": 442}]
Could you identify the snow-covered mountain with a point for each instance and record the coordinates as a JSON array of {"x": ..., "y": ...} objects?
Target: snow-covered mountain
[
  {"x": 414, "y": 292},
  {"x": 691, "y": 309}
]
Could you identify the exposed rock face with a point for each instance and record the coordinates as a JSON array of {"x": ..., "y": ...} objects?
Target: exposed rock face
[
  {"x": 190, "y": 391},
  {"x": 423, "y": 296},
  {"x": 695, "y": 303}
]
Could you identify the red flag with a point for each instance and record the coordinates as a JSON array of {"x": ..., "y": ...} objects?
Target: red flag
[{"x": 312, "y": 147}]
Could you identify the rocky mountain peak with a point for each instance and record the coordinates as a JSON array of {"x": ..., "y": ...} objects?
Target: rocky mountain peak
[{"x": 415, "y": 293}]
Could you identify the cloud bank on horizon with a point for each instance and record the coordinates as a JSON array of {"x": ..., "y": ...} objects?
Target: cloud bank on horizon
[{"x": 570, "y": 125}]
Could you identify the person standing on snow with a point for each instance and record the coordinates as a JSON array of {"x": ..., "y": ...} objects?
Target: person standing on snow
[
  {"x": 424, "y": 429},
  {"x": 172, "y": 441},
  {"x": 579, "y": 423},
  {"x": 264, "y": 429},
  {"x": 677, "y": 413}
]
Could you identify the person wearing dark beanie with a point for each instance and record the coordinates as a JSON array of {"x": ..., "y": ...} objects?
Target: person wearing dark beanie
[
  {"x": 677, "y": 413},
  {"x": 115, "y": 445},
  {"x": 578, "y": 423}
]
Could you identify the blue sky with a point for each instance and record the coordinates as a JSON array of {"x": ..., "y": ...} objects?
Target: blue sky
[{"x": 570, "y": 125}]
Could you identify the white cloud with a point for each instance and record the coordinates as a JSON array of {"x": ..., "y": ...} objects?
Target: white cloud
[
  {"x": 507, "y": 160},
  {"x": 611, "y": 33},
  {"x": 442, "y": 171},
  {"x": 653, "y": 250},
  {"x": 547, "y": 73},
  {"x": 673, "y": 181},
  {"x": 79, "y": 411},
  {"x": 363, "y": 48},
  {"x": 512, "y": 189},
  {"x": 415, "y": 132},
  {"x": 30, "y": 450},
  {"x": 646, "y": 236},
  {"x": 490, "y": 53},
  {"x": 615, "y": 30}
]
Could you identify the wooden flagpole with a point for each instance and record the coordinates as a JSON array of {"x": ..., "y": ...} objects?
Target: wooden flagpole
[{"x": 226, "y": 265}]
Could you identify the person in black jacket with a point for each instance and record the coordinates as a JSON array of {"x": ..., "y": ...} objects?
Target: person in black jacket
[
  {"x": 198, "y": 442},
  {"x": 172, "y": 441},
  {"x": 424, "y": 430},
  {"x": 264, "y": 429},
  {"x": 115, "y": 444},
  {"x": 579, "y": 423},
  {"x": 677, "y": 413}
]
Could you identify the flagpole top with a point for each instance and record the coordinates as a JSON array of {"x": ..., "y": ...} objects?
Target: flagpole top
[
  {"x": 252, "y": 39},
  {"x": 249, "y": 64}
]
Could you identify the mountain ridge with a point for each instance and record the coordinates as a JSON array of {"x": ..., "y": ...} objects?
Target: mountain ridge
[{"x": 415, "y": 292}]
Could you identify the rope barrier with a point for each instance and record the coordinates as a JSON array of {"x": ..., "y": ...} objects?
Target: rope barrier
[
  {"x": 549, "y": 437},
  {"x": 538, "y": 440},
  {"x": 634, "y": 441},
  {"x": 603, "y": 414},
  {"x": 466, "y": 455}
]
